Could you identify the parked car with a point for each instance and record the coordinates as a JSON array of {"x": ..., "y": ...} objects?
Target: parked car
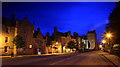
[
  {"x": 106, "y": 49},
  {"x": 115, "y": 49}
]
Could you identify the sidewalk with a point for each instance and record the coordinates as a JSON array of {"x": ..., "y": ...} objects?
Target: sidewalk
[
  {"x": 2, "y": 57},
  {"x": 113, "y": 58}
]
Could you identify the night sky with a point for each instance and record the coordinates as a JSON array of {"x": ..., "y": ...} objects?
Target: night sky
[{"x": 77, "y": 17}]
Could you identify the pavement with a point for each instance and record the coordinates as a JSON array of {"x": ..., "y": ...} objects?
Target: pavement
[
  {"x": 89, "y": 59},
  {"x": 113, "y": 58},
  {"x": 4, "y": 57}
]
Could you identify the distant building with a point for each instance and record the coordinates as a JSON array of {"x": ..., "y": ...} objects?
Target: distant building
[
  {"x": 26, "y": 30},
  {"x": 91, "y": 35},
  {"x": 39, "y": 41},
  {"x": 48, "y": 43},
  {"x": 83, "y": 42},
  {"x": 60, "y": 41}
]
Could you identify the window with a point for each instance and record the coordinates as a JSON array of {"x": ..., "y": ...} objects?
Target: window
[
  {"x": 5, "y": 48},
  {"x": 30, "y": 46},
  {"x": 7, "y": 30},
  {"x": 6, "y": 39}
]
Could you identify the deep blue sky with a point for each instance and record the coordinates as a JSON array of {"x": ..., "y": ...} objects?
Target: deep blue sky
[{"x": 77, "y": 17}]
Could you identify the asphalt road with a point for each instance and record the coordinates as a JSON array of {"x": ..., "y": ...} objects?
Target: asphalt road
[{"x": 94, "y": 58}]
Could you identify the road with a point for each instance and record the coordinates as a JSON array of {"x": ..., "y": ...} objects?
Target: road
[{"x": 94, "y": 58}]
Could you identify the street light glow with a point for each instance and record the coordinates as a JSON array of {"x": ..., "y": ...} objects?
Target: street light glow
[
  {"x": 103, "y": 41},
  {"x": 108, "y": 35},
  {"x": 100, "y": 46}
]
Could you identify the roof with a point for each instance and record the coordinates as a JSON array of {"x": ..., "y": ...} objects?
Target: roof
[
  {"x": 94, "y": 31},
  {"x": 36, "y": 33},
  {"x": 8, "y": 21}
]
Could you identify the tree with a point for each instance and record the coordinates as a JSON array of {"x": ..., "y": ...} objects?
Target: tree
[
  {"x": 71, "y": 44},
  {"x": 18, "y": 41},
  {"x": 114, "y": 25}
]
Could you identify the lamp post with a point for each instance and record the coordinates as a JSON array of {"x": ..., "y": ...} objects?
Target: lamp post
[
  {"x": 108, "y": 36},
  {"x": 103, "y": 41},
  {"x": 100, "y": 46}
]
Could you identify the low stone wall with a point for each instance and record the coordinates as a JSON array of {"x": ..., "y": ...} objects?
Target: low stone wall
[{"x": 9, "y": 51}]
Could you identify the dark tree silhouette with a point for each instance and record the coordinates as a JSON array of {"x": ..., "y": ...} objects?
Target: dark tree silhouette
[
  {"x": 18, "y": 41},
  {"x": 71, "y": 44},
  {"x": 114, "y": 25}
]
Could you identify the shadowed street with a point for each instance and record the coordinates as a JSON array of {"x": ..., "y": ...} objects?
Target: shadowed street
[{"x": 87, "y": 58}]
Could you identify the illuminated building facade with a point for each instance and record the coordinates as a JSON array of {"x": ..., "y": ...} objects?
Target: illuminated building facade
[
  {"x": 40, "y": 42},
  {"x": 91, "y": 35},
  {"x": 11, "y": 28},
  {"x": 7, "y": 35},
  {"x": 26, "y": 30},
  {"x": 59, "y": 42}
]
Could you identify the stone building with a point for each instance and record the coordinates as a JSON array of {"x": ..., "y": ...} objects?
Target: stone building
[
  {"x": 82, "y": 41},
  {"x": 85, "y": 41},
  {"x": 59, "y": 41},
  {"x": 39, "y": 41},
  {"x": 91, "y": 35},
  {"x": 7, "y": 35},
  {"x": 26, "y": 30},
  {"x": 48, "y": 43},
  {"x": 10, "y": 28}
]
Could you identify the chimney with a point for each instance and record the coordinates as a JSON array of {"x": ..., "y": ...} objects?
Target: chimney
[
  {"x": 38, "y": 29},
  {"x": 47, "y": 34},
  {"x": 13, "y": 16},
  {"x": 69, "y": 32},
  {"x": 55, "y": 29}
]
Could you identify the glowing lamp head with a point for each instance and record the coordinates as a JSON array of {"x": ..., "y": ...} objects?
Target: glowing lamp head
[
  {"x": 108, "y": 35},
  {"x": 100, "y": 46},
  {"x": 103, "y": 41}
]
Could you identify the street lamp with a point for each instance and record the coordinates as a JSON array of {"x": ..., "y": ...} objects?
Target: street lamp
[
  {"x": 108, "y": 35},
  {"x": 100, "y": 46},
  {"x": 103, "y": 41},
  {"x": 30, "y": 46}
]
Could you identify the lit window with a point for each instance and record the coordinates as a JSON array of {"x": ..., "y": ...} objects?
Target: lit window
[
  {"x": 6, "y": 39},
  {"x": 5, "y": 49},
  {"x": 30, "y": 46}
]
